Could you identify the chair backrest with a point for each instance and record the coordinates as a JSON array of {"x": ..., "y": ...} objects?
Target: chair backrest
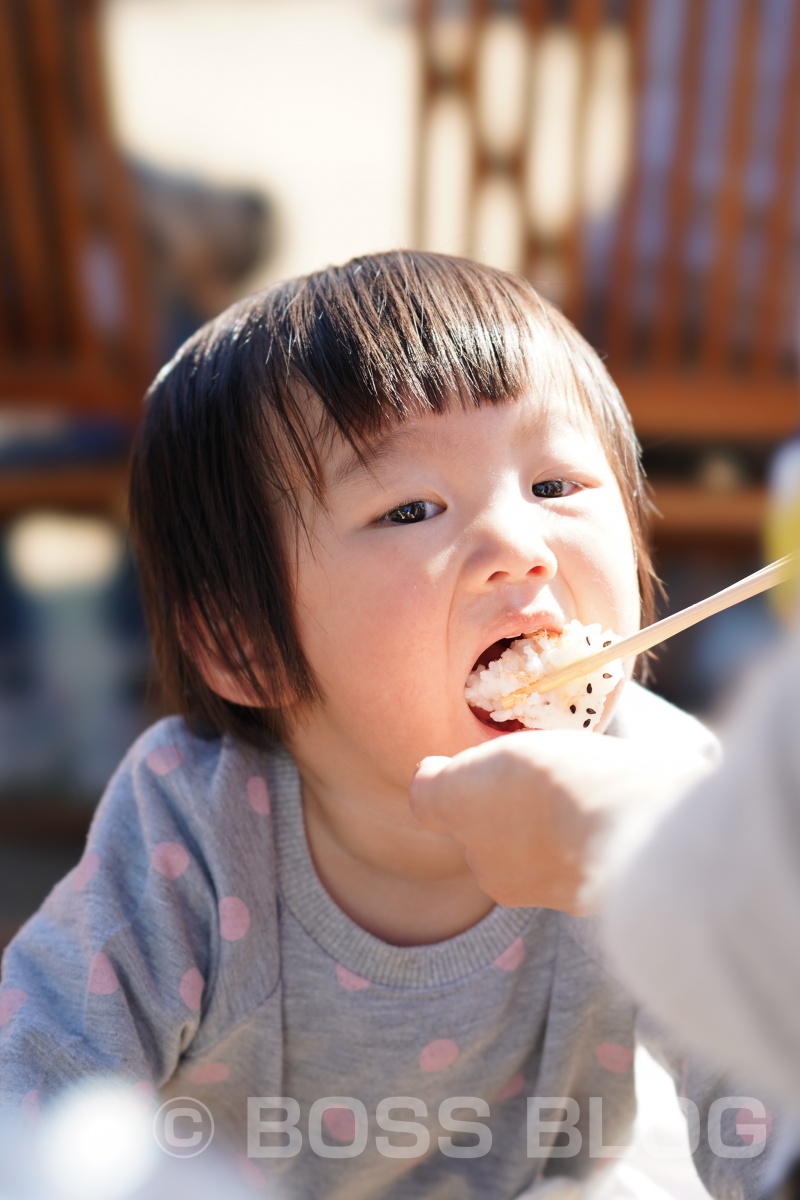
[
  {"x": 73, "y": 314},
  {"x": 641, "y": 161}
]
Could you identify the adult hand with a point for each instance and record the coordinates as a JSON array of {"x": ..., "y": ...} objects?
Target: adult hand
[{"x": 542, "y": 815}]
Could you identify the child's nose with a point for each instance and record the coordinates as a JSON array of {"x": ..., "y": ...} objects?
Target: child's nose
[{"x": 513, "y": 548}]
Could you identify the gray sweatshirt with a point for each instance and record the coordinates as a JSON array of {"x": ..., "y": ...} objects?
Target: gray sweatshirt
[{"x": 195, "y": 953}]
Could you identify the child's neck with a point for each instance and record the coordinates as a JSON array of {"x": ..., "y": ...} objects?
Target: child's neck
[{"x": 391, "y": 876}]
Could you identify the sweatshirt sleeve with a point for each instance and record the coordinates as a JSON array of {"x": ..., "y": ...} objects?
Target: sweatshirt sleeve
[
  {"x": 732, "y": 1127},
  {"x": 109, "y": 976}
]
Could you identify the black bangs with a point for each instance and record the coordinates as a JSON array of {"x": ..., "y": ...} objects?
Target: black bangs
[{"x": 391, "y": 336}]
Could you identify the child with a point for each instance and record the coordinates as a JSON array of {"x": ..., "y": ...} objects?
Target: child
[{"x": 346, "y": 489}]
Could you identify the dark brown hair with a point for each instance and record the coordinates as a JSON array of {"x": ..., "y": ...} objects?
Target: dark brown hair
[{"x": 237, "y": 423}]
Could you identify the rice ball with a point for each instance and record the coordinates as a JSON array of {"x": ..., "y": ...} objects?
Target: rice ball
[{"x": 501, "y": 687}]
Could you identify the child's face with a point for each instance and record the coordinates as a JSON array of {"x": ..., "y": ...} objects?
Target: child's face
[{"x": 471, "y": 526}]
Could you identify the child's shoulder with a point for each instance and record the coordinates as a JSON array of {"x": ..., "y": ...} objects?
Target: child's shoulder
[
  {"x": 644, "y": 716},
  {"x": 198, "y": 779},
  {"x": 171, "y": 744}
]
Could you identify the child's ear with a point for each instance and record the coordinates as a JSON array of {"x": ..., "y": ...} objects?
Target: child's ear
[
  {"x": 226, "y": 683},
  {"x": 230, "y": 684}
]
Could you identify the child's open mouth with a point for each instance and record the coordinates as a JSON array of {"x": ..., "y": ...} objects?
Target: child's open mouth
[
  {"x": 490, "y": 654},
  {"x": 501, "y": 690}
]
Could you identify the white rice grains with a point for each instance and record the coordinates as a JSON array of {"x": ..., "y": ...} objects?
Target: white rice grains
[{"x": 501, "y": 687}]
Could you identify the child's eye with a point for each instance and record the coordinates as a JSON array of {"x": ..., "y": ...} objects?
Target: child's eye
[
  {"x": 551, "y": 489},
  {"x": 410, "y": 513}
]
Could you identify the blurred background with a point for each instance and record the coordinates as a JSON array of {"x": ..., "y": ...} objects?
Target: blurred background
[{"x": 637, "y": 160}]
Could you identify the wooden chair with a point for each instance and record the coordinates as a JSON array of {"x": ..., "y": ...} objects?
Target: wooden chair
[
  {"x": 75, "y": 349},
  {"x": 685, "y": 278}
]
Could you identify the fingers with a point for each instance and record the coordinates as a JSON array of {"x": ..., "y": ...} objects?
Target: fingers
[
  {"x": 446, "y": 794},
  {"x": 445, "y": 791},
  {"x": 430, "y": 767},
  {"x": 428, "y": 796}
]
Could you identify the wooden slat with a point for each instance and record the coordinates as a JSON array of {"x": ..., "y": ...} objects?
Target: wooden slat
[
  {"x": 77, "y": 389},
  {"x": 479, "y": 166},
  {"x": 510, "y": 163},
  {"x": 431, "y": 88},
  {"x": 777, "y": 258},
  {"x": 516, "y": 160},
  {"x": 66, "y": 200},
  {"x": 136, "y": 332},
  {"x": 423, "y": 19},
  {"x": 700, "y": 512},
  {"x": 729, "y": 219},
  {"x": 709, "y": 405},
  {"x": 620, "y": 306},
  {"x": 78, "y": 489},
  {"x": 668, "y": 323},
  {"x": 534, "y": 17},
  {"x": 22, "y": 202},
  {"x": 587, "y": 20},
  {"x": 51, "y": 211}
]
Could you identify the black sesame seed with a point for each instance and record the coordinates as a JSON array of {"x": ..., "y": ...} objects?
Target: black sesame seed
[
  {"x": 589, "y": 688},
  {"x": 592, "y": 711},
  {"x": 572, "y": 708},
  {"x": 588, "y": 643},
  {"x": 586, "y": 722},
  {"x": 606, "y": 674},
  {"x": 606, "y": 644}
]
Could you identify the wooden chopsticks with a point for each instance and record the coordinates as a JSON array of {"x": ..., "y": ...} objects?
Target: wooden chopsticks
[{"x": 783, "y": 569}]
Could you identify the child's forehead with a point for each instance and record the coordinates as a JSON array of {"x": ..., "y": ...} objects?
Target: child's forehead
[{"x": 427, "y": 434}]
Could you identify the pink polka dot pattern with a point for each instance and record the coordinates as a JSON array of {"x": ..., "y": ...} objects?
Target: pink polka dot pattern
[
  {"x": 30, "y": 1106},
  {"x": 191, "y": 988},
  {"x": 251, "y": 1174},
  {"x": 234, "y": 918},
  {"x": 164, "y": 759},
  {"x": 751, "y": 1129},
  {"x": 438, "y": 1054},
  {"x": 215, "y": 1072},
  {"x": 258, "y": 795},
  {"x": 143, "y": 1088},
  {"x": 512, "y": 1088},
  {"x": 11, "y": 1001},
  {"x": 511, "y": 957},
  {"x": 170, "y": 859},
  {"x": 340, "y": 1123},
  {"x": 614, "y": 1057},
  {"x": 349, "y": 980},
  {"x": 86, "y": 870},
  {"x": 102, "y": 976}
]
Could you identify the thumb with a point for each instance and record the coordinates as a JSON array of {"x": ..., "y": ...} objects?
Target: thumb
[
  {"x": 423, "y": 792},
  {"x": 429, "y": 768}
]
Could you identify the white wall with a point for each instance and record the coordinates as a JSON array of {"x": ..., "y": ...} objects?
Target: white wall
[{"x": 312, "y": 101}]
